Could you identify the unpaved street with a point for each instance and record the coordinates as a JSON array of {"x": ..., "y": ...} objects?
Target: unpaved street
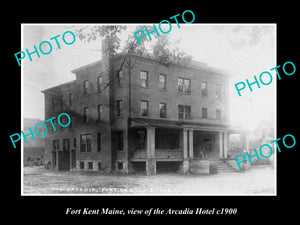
[{"x": 259, "y": 180}]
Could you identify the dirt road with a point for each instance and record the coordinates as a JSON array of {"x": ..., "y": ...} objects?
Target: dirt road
[{"x": 259, "y": 180}]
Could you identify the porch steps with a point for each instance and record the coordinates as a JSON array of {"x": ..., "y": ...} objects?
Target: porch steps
[{"x": 222, "y": 167}]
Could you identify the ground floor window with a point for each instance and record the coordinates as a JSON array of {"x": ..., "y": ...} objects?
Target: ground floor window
[
  {"x": 85, "y": 143},
  {"x": 99, "y": 166},
  {"x": 120, "y": 166},
  {"x": 90, "y": 165},
  {"x": 139, "y": 137},
  {"x": 81, "y": 164},
  {"x": 66, "y": 144}
]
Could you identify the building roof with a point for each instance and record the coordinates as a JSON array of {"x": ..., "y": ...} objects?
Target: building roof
[
  {"x": 59, "y": 86},
  {"x": 194, "y": 64},
  {"x": 86, "y": 66}
]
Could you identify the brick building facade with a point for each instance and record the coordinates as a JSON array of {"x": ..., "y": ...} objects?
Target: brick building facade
[{"x": 141, "y": 116}]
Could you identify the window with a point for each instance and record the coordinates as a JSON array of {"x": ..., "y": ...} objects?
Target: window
[
  {"x": 119, "y": 77},
  {"x": 184, "y": 112},
  {"x": 204, "y": 112},
  {"x": 98, "y": 142},
  {"x": 90, "y": 165},
  {"x": 74, "y": 142},
  {"x": 120, "y": 165},
  {"x": 99, "y": 166},
  {"x": 85, "y": 114},
  {"x": 85, "y": 87},
  {"x": 218, "y": 91},
  {"x": 62, "y": 102},
  {"x": 184, "y": 85},
  {"x": 85, "y": 143},
  {"x": 99, "y": 82},
  {"x": 71, "y": 98},
  {"x": 162, "y": 110},
  {"x": 53, "y": 103},
  {"x": 82, "y": 165},
  {"x": 141, "y": 139},
  {"x": 119, "y": 140},
  {"x": 144, "y": 79},
  {"x": 162, "y": 81},
  {"x": 66, "y": 144},
  {"x": 55, "y": 144},
  {"x": 204, "y": 89},
  {"x": 218, "y": 114},
  {"x": 119, "y": 107},
  {"x": 99, "y": 112},
  {"x": 144, "y": 108}
]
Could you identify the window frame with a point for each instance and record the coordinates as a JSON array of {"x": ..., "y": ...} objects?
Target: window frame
[
  {"x": 204, "y": 91},
  {"x": 99, "y": 141},
  {"x": 182, "y": 88},
  {"x": 86, "y": 85},
  {"x": 144, "y": 81},
  {"x": 218, "y": 114},
  {"x": 165, "y": 110},
  {"x": 90, "y": 166},
  {"x": 81, "y": 165},
  {"x": 99, "y": 112},
  {"x": 71, "y": 99},
  {"x": 204, "y": 111},
  {"x": 99, "y": 83},
  {"x": 86, "y": 114},
  {"x": 119, "y": 76},
  {"x": 119, "y": 107},
  {"x": 164, "y": 83},
  {"x": 218, "y": 91},
  {"x": 184, "y": 112},
  {"x": 66, "y": 144},
  {"x": 142, "y": 110},
  {"x": 74, "y": 142},
  {"x": 85, "y": 146},
  {"x": 54, "y": 103}
]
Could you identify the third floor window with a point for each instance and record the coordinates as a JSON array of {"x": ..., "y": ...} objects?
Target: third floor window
[
  {"x": 184, "y": 85},
  {"x": 144, "y": 79},
  {"x": 85, "y": 87}
]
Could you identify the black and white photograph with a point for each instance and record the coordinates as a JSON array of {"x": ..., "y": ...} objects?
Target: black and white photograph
[
  {"x": 125, "y": 114},
  {"x": 170, "y": 109}
]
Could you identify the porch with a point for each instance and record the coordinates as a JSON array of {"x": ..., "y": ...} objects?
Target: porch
[{"x": 152, "y": 146}]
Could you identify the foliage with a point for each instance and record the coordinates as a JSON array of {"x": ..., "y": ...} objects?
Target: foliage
[
  {"x": 162, "y": 48},
  {"x": 109, "y": 34}
]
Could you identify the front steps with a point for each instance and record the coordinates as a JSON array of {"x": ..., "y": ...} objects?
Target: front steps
[
  {"x": 222, "y": 167},
  {"x": 201, "y": 166}
]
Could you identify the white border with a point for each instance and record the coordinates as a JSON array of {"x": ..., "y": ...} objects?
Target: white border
[{"x": 134, "y": 24}]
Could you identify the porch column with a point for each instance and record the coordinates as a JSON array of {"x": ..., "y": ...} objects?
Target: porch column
[
  {"x": 150, "y": 161},
  {"x": 186, "y": 162},
  {"x": 221, "y": 145},
  {"x": 191, "y": 144},
  {"x": 70, "y": 159},
  {"x": 226, "y": 144}
]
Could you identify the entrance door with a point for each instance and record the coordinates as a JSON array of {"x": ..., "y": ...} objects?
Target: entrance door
[{"x": 208, "y": 148}]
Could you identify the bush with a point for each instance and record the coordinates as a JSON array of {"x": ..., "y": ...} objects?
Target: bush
[{"x": 213, "y": 169}]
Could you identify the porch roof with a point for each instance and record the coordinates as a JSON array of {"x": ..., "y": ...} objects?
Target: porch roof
[{"x": 179, "y": 124}]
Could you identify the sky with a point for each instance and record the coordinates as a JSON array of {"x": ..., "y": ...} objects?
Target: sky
[{"x": 243, "y": 50}]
